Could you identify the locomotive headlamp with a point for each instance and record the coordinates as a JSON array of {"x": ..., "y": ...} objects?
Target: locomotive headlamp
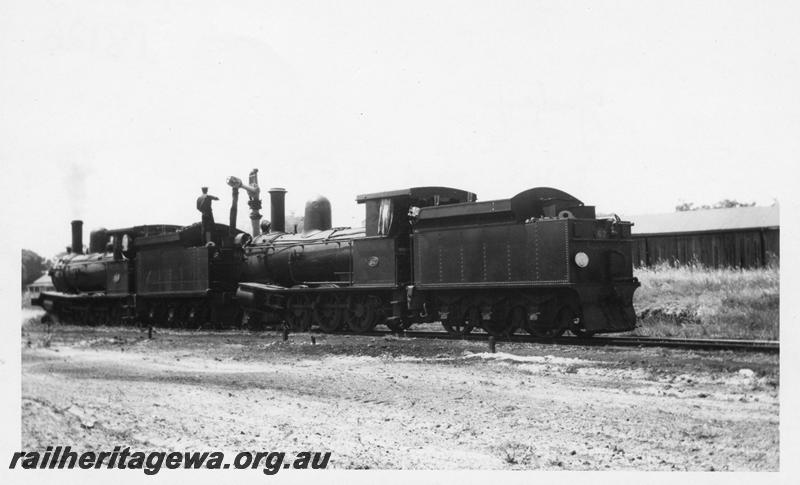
[{"x": 582, "y": 259}]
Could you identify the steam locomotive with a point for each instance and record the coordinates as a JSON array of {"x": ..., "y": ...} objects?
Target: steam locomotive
[
  {"x": 540, "y": 261},
  {"x": 153, "y": 274}
]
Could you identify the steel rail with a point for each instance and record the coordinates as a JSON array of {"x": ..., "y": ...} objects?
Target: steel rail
[{"x": 766, "y": 346}]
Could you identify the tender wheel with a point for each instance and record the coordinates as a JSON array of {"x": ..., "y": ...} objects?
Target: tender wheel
[
  {"x": 298, "y": 313},
  {"x": 329, "y": 314},
  {"x": 199, "y": 314},
  {"x": 499, "y": 325},
  {"x": 180, "y": 316},
  {"x": 581, "y": 332},
  {"x": 556, "y": 327},
  {"x": 157, "y": 316},
  {"x": 173, "y": 319},
  {"x": 518, "y": 318},
  {"x": 363, "y": 313},
  {"x": 461, "y": 320}
]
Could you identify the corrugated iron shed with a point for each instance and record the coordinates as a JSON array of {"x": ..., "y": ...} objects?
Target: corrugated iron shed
[
  {"x": 736, "y": 218},
  {"x": 743, "y": 237}
]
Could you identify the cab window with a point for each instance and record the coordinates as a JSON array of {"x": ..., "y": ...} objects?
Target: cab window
[{"x": 385, "y": 213}]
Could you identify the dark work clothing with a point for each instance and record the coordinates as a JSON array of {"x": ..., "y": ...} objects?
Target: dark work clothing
[{"x": 204, "y": 206}]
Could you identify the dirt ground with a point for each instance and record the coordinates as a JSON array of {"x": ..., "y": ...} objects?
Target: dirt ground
[{"x": 395, "y": 403}]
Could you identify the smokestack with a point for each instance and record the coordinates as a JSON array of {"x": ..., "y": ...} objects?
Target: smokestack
[
  {"x": 77, "y": 237},
  {"x": 277, "y": 198}
]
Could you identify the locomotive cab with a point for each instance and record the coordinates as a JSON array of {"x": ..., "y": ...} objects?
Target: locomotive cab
[
  {"x": 387, "y": 212},
  {"x": 383, "y": 256}
]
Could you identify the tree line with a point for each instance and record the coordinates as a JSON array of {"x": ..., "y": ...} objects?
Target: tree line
[
  {"x": 723, "y": 204},
  {"x": 33, "y": 266}
]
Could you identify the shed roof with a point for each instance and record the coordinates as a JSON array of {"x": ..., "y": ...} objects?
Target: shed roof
[
  {"x": 732, "y": 219},
  {"x": 43, "y": 280}
]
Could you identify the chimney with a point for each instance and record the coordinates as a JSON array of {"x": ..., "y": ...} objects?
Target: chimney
[
  {"x": 277, "y": 198},
  {"x": 77, "y": 237}
]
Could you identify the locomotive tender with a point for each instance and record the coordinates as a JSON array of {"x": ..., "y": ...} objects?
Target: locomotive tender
[{"x": 540, "y": 261}]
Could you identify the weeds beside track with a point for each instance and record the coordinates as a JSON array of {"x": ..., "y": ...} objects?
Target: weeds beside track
[{"x": 706, "y": 303}]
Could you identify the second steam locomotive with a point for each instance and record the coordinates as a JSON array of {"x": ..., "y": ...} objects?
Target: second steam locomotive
[{"x": 539, "y": 261}]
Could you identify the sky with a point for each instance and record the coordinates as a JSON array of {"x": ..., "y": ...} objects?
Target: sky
[{"x": 116, "y": 112}]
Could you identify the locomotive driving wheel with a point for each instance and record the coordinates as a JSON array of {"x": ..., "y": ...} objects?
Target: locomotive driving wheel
[
  {"x": 381, "y": 315},
  {"x": 363, "y": 313},
  {"x": 91, "y": 316},
  {"x": 65, "y": 316},
  {"x": 399, "y": 325},
  {"x": 115, "y": 315},
  {"x": 462, "y": 319},
  {"x": 298, "y": 313},
  {"x": 99, "y": 315},
  {"x": 328, "y": 314}
]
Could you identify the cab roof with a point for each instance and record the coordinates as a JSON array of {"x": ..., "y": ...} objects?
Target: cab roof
[{"x": 455, "y": 196}]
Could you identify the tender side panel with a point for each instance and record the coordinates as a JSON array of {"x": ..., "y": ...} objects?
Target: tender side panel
[
  {"x": 374, "y": 262},
  {"x": 226, "y": 270},
  {"x": 499, "y": 255},
  {"x": 548, "y": 250},
  {"x": 173, "y": 270}
]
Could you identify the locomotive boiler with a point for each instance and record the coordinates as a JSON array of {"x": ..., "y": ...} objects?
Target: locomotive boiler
[{"x": 540, "y": 261}]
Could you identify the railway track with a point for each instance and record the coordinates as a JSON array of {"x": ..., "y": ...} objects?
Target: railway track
[{"x": 765, "y": 346}]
